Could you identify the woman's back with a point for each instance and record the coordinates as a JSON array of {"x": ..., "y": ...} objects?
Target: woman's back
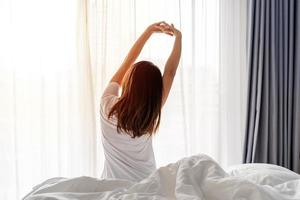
[{"x": 125, "y": 157}]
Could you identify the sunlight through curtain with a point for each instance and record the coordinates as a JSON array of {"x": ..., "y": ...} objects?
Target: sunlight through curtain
[
  {"x": 57, "y": 56},
  {"x": 47, "y": 123}
]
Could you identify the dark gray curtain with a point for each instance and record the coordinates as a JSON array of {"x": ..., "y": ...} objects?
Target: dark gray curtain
[{"x": 273, "y": 109}]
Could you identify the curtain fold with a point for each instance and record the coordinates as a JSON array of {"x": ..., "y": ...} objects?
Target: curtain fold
[{"x": 272, "y": 130}]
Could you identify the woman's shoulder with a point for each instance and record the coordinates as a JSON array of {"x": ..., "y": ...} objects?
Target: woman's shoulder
[
  {"x": 112, "y": 89},
  {"x": 109, "y": 98}
]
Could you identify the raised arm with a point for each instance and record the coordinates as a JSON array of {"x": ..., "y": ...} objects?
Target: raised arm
[
  {"x": 137, "y": 48},
  {"x": 171, "y": 64}
]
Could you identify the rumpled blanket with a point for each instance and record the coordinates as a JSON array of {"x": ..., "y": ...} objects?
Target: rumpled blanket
[{"x": 195, "y": 177}]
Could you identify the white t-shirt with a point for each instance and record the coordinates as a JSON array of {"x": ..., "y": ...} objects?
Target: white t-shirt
[{"x": 125, "y": 157}]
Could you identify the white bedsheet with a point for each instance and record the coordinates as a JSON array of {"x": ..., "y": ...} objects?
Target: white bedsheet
[{"x": 196, "y": 177}]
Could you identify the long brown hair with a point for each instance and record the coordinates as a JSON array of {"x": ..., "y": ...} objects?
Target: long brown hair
[{"x": 138, "y": 110}]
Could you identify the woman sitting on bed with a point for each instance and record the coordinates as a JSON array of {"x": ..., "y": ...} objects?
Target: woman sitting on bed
[{"x": 128, "y": 121}]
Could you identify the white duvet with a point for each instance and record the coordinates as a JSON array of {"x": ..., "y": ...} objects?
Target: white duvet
[{"x": 196, "y": 177}]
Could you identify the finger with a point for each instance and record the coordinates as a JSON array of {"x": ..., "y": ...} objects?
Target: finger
[
  {"x": 170, "y": 33},
  {"x": 159, "y": 28},
  {"x": 173, "y": 28},
  {"x": 169, "y": 30},
  {"x": 167, "y": 26},
  {"x": 161, "y": 22},
  {"x": 164, "y": 24}
]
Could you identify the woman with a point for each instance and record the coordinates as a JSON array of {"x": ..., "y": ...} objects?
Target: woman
[{"x": 128, "y": 121}]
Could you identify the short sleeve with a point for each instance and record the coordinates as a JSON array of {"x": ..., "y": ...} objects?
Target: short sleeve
[{"x": 109, "y": 98}]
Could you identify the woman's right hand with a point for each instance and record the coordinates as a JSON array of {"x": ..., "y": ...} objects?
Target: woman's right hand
[{"x": 175, "y": 31}]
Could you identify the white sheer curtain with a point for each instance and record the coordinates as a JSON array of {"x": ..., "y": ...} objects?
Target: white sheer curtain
[
  {"x": 205, "y": 110},
  {"x": 50, "y": 88},
  {"x": 47, "y": 121}
]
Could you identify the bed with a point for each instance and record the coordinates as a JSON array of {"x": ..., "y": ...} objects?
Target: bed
[{"x": 195, "y": 177}]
